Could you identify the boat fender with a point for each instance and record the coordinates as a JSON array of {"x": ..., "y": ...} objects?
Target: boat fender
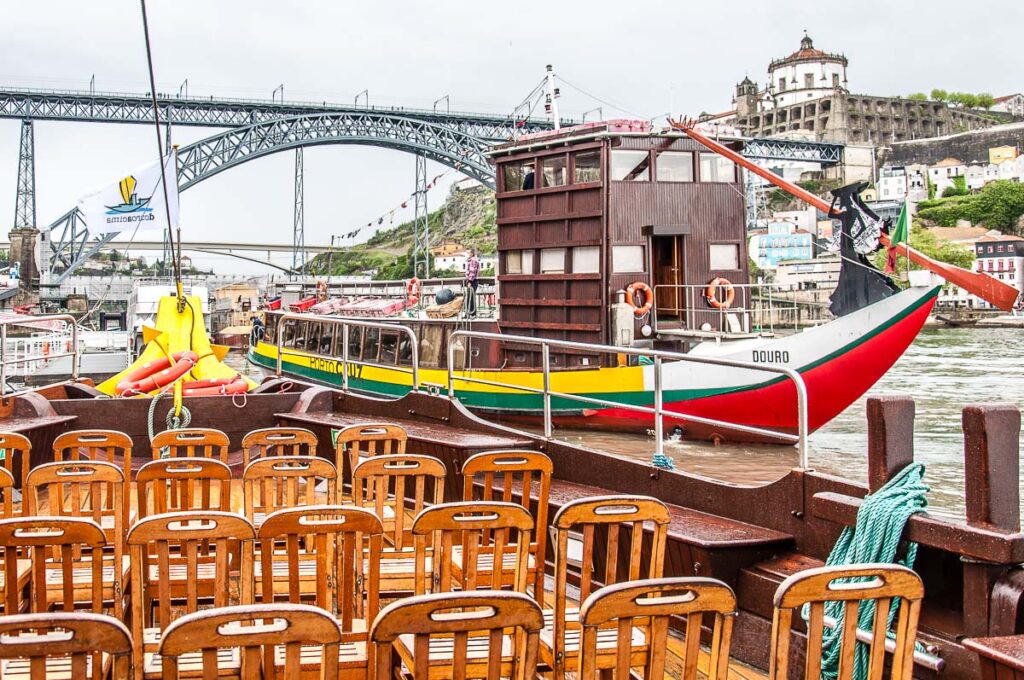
[
  {"x": 155, "y": 374},
  {"x": 413, "y": 288},
  {"x": 215, "y": 386},
  {"x": 711, "y": 293},
  {"x": 643, "y": 288},
  {"x": 444, "y": 296}
]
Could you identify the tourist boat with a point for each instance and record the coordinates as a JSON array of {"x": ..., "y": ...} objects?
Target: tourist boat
[{"x": 634, "y": 241}]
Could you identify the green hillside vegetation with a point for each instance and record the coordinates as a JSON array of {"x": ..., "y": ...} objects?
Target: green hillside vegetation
[
  {"x": 925, "y": 241},
  {"x": 999, "y": 205},
  {"x": 467, "y": 217}
]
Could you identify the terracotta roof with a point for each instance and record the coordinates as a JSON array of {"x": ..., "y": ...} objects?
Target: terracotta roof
[
  {"x": 958, "y": 233},
  {"x": 1005, "y": 98},
  {"x": 1001, "y": 237},
  {"x": 948, "y": 162}
]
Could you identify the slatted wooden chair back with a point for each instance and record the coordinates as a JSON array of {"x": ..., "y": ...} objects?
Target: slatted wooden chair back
[
  {"x": 366, "y": 440},
  {"x": 63, "y": 645},
  {"x": 506, "y": 476},
  {"x": 328, "y": 555},
  {"x": 179, "y": 484},
  {"x": 595, "y": 527},
  {"x": 466, "y": 535},
  {"x": 277, "y": 441},
  {"x": 271, "y": 640},
  {"x": 66, "y": 561},
  {"x": 91, "y": 489},
  {"x": 279, "y": 482},
  {"x": 193, "y": 442},
  {"x": 394, "y": 484},
  {"x": 647, "y": 606},
  {"x": 183, "y": 560},
  {"x": 486, "y": 635},
  {"x": 854, "y": 587},
  {"x": 16, "y": 455},
  {"x": 110, "y": 446},
  {"x": 7, "y": 493}
]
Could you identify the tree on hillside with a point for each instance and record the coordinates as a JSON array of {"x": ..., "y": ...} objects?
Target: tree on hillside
[
  {"x": 985, "y": 100},
  {"x": 940, "y": 95},
  {"x": 918, "y": 97},
  {"x": 958, "y": 188},
  {"x": 1000, "y": 205}
]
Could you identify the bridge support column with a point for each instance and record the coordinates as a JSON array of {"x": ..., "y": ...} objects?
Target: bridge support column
[
  {"x": 24, "y": 237},
  {"x": 299, "y": 227},
  {"x": 421, "y": 240}
]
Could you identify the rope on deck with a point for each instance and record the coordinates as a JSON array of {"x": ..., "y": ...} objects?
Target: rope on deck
[
  {"x": 663, "y": 462},
  {"x": 874, "y": 538}
]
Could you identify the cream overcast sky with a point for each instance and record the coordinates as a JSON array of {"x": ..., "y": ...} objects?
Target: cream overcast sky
[{"x": 644, "y": 56}]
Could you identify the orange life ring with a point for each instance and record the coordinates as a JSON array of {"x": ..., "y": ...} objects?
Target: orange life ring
[
  {"x": 215, "y": 386},
  {"x": 640, "y": 287},
  {"x": 710, "y": 293},
  {"x": 413, "y": 288},
  {"x": 155, "y": 374}
]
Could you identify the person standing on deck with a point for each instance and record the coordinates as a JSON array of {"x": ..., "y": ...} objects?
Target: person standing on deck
[{"x": 471, "y": 282}]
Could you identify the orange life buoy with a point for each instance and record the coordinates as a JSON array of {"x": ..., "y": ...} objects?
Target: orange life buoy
[
  {"x": 155, "y": 374},
  {"x": 321, "y": 291},
  {"x": 413, "y": 288},
  {"x": 640, "y": 287},
  {"x": 710, "y": 293},
  {"x": 215, "y": 386}
]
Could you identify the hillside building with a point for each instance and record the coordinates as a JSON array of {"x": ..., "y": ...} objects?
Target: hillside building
[
  {"x": 781, "y": 241},
  {"x": 1011, "y": 103}
]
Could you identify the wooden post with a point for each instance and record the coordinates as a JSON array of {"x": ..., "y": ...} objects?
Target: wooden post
[
  {"x": 992, "y": 465},
  {"x": 890, "y": 437}
]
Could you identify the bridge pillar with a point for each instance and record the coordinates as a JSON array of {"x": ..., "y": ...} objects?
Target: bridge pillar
[
  {"x": 24, "y": 237},
  {"x": 299, "y": 225},
  {"x": 421, "y": 229}
]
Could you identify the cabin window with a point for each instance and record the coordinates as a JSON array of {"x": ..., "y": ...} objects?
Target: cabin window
[
  {"x": 518, "y": 262},
  {"x": 291, "y": 327},
  {"x": 715, "y": 168},
  {"x": 327, "y": 340},
  {"x": 371, "y": 345},
  {"x": 517, "y": 176},
  {"x": 586, "y": 260},
  {"x": 355, "y": 343},
  {"x": 675, "y": 166},
  {"x": 725, "y": 256},
  {"x": 587, "y": 166},
  {"x": 554, "y": 171},
  {"x": 388, "y": 348},
  {"x": 627, "y": 259},
  {"x": 313, "y": 338},
  {"x": 631, "y": 166},
  {"x": 552, "y": 261}
]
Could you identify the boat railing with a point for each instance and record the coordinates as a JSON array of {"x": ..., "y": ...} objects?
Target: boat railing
[
  {"x": 658, "y": 410},
  {"x": 346, "y": 361},
  {"x": 757, "y": 308},
  {"x": 34, "y": 352}
]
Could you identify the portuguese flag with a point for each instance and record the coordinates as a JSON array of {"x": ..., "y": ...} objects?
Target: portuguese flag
[{"x": 900, "y": 234}]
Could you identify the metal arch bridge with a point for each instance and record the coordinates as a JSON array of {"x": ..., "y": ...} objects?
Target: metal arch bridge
[{"x": 258, "y": 128}]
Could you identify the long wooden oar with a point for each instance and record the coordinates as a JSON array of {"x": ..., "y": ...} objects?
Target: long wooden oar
[{"x": 988, "y": 288}]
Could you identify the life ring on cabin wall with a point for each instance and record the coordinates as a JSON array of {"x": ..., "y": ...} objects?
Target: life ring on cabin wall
[
  {"x": 321, "y": 291},
  {"x": 711, "y": 293},
  {"x": 155, "y": 374},
  {"x": 413, "y": 289},
  {"x": 645, "y": 290},
  {"x": 215, "y": 386}
]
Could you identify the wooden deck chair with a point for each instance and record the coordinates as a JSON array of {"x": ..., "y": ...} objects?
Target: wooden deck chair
[
  {"x": 328, "y": 556},
  {"x": 100, "y": 445},
  {"x": 482, "y": 634},
  {"x": 484, "y": 533},
  {"x": 181, "y": 561},
  {"x": 504, "y": 476},
  {"x": 16, "y": 456},
  {"x": 179, "y": 484},
  {"x": 66, "y": 560},
  {"x": 593, "y": 520},
  {"x": 277, "y": 482},
  {"x": 853, "y": 586},
  {"x": 192, "y": 442},
  {"x": 358, "y": 442},
  {"x": 392, "y": 486},
  {"x": 277, "y": 441},
  {"x": 617, "y": 611},
  {"x": 22, "y": 568},
  {"x": 64, "y": 645},
  {"x": 93, "y": 490}
]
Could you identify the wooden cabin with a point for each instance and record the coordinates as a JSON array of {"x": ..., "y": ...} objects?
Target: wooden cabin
[{"x": 584, "y": 212}]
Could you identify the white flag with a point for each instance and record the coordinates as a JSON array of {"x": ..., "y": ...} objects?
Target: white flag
[{"x": 136, "y": 200}]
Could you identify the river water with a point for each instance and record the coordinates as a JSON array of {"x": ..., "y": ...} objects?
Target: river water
[{"x": 942, "y": 371}]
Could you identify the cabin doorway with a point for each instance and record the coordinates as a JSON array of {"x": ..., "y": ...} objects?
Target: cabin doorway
[{"x": 669, "y": 268}]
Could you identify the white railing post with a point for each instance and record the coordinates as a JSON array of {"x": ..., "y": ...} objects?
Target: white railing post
[
  {"x": 545, "y": 351},
  {"x": 344, "y": 357},
  {"x": 659, "y": 405}
]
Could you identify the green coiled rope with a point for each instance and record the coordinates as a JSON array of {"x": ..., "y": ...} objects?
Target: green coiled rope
[{"x": 874, "y": 538}]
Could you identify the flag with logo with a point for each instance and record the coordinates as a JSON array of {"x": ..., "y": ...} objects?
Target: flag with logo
[
  {"x": 135, "y": 200},
  {"x": 900, "y": 234}
]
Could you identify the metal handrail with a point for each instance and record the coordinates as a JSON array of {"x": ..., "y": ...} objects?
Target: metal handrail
[
  {"x": 31, "y": 321},
  {"x": 659, "y": 412},
  {"x": 345, "y": 323},
  {"x": 748, "y": 293}
]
